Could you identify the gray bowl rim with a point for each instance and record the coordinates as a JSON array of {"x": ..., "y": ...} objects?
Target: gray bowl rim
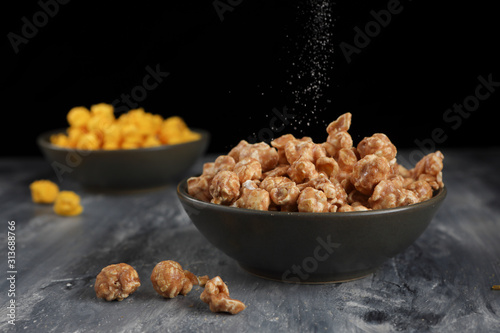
[
  {"x": 436, "y": 199},
  {"x": 43, "y": 141}
]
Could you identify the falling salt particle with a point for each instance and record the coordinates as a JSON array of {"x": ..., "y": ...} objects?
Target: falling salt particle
[{"x": 309, "y": 74}]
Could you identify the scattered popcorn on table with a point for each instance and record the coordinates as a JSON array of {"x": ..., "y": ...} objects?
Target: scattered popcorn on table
[
  {"x": 169, "y": 279},
  {"x": 44, "y": 191},
  {"x": 116, "y": 282},
  {"x": 216, "y": 295},
  {"x": 98, "y": 128},
  {"x": 67, "y": 204}
]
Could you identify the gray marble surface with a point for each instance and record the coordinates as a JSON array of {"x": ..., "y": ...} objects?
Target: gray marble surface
[{"x": 441, "y": 283}]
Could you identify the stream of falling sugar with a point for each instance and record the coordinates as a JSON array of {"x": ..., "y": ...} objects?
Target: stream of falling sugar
[{"x": 312, "y": 62}]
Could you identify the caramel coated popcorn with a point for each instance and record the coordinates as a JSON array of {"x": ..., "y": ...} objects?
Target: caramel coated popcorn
[
  {"x": 116, "y": 282},
  {"x": 216, "y": 295},
  {"x": 98, "y": 128},
  {"x": 252, "y": 197},
  {"x": 44, "y": 191},
  {"x": 296, "y": 174},
  {"x": 225, "y": 188},
  {"x": 169, "y": 279}
]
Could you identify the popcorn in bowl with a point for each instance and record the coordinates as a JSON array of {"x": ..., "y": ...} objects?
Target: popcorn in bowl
[
  {"x": 298, "y": 175},
  {"x": 98, "y": 128}
]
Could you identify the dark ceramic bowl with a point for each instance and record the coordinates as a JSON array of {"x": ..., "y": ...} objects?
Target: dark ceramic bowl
[
  {"x": 123, "y": 169},
  {"x": 310, "y": 247}
]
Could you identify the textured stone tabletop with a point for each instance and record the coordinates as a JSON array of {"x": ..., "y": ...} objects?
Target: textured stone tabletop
[{"x": 441, "y": 283}]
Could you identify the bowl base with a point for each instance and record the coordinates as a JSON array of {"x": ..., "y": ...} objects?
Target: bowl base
[{"x": 310, "y": 279}]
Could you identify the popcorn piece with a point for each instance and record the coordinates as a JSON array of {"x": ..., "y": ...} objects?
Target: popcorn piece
[
  {"x": 312, "y": 200},
  {"x": 74, "y": 134},
  {"x": 378, "y": 144},
  {"x": 224, "y": 163},
  {"x": 271, "y": 182},
  {"x": 280, "y": 144},
  {"x": 342, "y": 124},
  {"x": 338, "y": 137},
  {"x": 169, "y": 279},
  {"x": 236, "y": 151},
  {"x": 318, "y": 151},
  {"x": 78, "y": 116},
  {"x": 302, "y": 170},
  {"x": 225, "y": 188},
  {"x": 102, "y": 110},
  {"x": 248, "y": 169},
  {"x": 368, "y": 172},
  {"x": 44, "y": 191},
  {"x": 112, "y": 134},
  {"x": 327, "y": 166},
  {"x": 67, "y": 203},
  {"x": 209, "y": 169},
  {"x": 296, "y": 149},
  {"x": 338, "y": 141},
  {"x": 116, "y": 282},
  {"x": 422, "y": 189},
  {"x": 262, "y": 152},
  {"x": 216, "y": 295},
  {"x": 333, "y": 191},
  {"x": 252, "y": 197},
  {"x": 285, "y": 194},
  {"x": 387, "y": 194},
  {"x": 98, "y": 123},
  {"x": 347, "y": 159},
  {"x": 174, "y": 130},
  {"x": 88, "y": 141},
  {"x": 429, "y": 169},
  {"x": 199, "y": 187}
]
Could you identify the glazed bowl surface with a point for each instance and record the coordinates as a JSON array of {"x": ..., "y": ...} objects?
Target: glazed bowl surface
[
  {"x": 123, "y": 169},
  {"x": 310, "y": 247}
]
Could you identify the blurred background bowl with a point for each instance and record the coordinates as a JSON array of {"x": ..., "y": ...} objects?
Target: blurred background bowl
[
  {"x": 123, "y": 169},
  {"x": 310, "y": 247}
]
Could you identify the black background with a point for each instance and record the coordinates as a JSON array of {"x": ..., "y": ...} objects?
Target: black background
[{"x": 228, "y": 75}]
